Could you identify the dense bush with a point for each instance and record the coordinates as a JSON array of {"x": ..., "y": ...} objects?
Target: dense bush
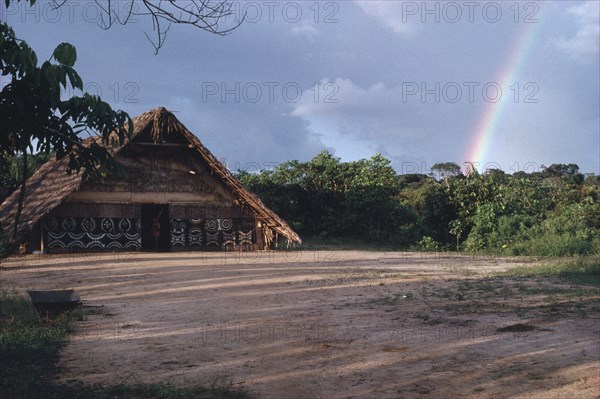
[
  {"x": 554, "y": 212},
  {"x": 327, "y": 198}
]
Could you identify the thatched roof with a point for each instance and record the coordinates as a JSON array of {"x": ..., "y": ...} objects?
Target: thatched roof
[{"x": 46, "y": 189}]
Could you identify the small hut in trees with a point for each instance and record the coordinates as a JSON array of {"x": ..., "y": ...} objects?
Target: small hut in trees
[{"x": 168, "y": 177}]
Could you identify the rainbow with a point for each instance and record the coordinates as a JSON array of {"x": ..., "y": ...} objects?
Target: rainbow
[{"x": 487, "y": 125}]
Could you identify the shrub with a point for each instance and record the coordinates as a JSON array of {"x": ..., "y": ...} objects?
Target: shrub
[
  {"x": 553, "y": 245},
  {"x": 429, "y": 244}
]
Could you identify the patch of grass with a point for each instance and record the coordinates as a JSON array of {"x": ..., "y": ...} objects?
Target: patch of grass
[
  {"x": 79, "y": 314},
  {"x": 562, "y": 288},
  {"x": 562, "y": 292},
  {"x": 554, "y": 245},
  {"x": 508, "y": 370},
  {"x": 392, "y": 299},
  {"x": 29, "y": 349},
  {"x": 143, "y": 391},
  {"x": 357, "y": 274},
  {"x": 462, "y": 271},
  {"x": 579, "y": 270},
  {"x": 423, "y": 316},
  {"x": 470, "y": 307},
  {"x": 470, "y": 289},
  {"x": 535, "y": 376}
]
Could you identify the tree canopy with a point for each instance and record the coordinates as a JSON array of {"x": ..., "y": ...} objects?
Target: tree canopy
[
  {"x": 207, "y": 15},
  {"x": 445, "y": 169},
  {"x": 36, "y": 119}
]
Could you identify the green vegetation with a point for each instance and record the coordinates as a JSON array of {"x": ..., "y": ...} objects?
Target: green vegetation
[
  {"x": 34, "y": 113},
  {"x": 11, "y": 171},
  {"x": 554, "y": 212},
  {"x": 579, "y": 270},
  {"x": 50, "y": 390},
  {"x": 327, "y": 198},
  {"x": 29, "y": 348},
  {"x": 560, "y": 288}
]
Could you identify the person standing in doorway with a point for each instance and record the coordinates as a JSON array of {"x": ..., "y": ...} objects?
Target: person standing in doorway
[{"x": 155, "y": 232}]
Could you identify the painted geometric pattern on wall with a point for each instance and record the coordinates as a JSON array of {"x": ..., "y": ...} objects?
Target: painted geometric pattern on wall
[
  {"x": 93, "y": 233},
  {"x": 211, "y": 234},
  {"x": 178, "y": 229},
  {"x": 195, "y": 233}
]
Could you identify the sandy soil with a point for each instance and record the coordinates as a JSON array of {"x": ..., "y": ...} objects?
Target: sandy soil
[{"x": 341, "y": 324}]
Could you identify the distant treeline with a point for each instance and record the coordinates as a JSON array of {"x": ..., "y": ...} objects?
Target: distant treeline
[{"x": 553, "y": 212}]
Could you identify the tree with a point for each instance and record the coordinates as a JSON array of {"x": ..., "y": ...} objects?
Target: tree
[
  {"x": 11, "y": 170},
  {"x": 445, "y": 170},
  {"x": 328, "y": 198},
  {"x": 207, "y": 15},
  {"x": 456, "y": 229},
  {"x": 371, "y": 204},
  {"x": 559, "y": 169},
  {"x": 33, "y": 112},
  {"x": 568, "y": 173},
  {"x": 411, "y": 178},
  {"x": 437, "y": 212}
]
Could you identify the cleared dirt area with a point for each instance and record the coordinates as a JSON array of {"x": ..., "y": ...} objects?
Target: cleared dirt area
[{"x": 327, "y": 324}]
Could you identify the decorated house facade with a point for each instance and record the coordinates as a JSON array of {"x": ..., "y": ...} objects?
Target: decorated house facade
[{"x": 167, "y": 181}]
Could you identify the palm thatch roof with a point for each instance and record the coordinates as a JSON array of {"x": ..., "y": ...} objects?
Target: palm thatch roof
[{"x": 46, "y": 189}]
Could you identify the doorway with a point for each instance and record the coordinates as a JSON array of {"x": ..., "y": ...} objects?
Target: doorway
[{"x": 149, "y": 212}]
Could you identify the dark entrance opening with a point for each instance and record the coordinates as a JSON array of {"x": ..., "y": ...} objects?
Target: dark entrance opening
[{"x": 149, "y": 212}]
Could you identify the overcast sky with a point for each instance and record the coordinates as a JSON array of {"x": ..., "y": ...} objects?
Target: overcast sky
[{"x": 503, "y": 84}]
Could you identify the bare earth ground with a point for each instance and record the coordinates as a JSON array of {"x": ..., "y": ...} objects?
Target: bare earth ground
[{"x": 342, "y": 324}]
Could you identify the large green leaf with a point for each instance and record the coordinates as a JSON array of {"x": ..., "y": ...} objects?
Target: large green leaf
[
  {"x": 74, "y": 78},
  {"x": 66, "y": 54}
]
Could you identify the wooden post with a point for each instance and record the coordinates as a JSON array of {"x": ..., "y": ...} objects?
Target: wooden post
[{"x": 41, "y": 238}]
